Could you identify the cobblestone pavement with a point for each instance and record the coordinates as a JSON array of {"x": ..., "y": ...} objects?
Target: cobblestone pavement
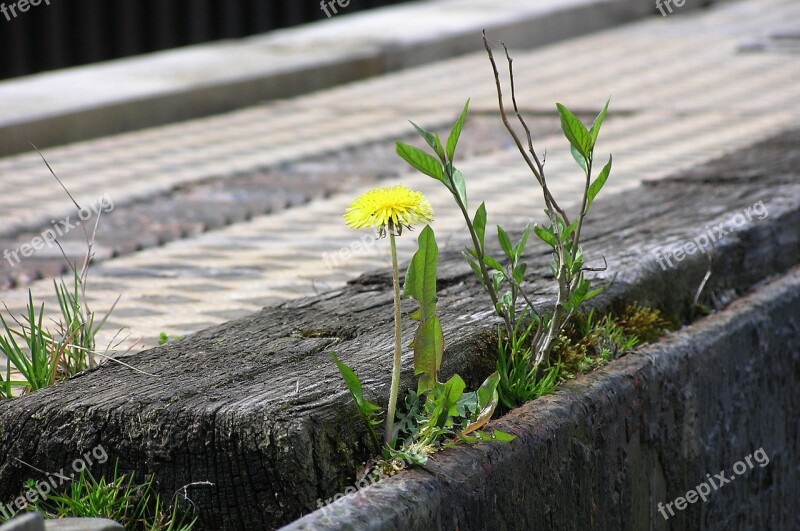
[{"x": 685, "y": 89}]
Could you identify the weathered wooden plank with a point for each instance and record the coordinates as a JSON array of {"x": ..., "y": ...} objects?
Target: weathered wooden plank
[{"x": 256, "y": 407}]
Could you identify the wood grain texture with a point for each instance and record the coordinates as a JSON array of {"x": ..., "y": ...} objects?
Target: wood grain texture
[{"x": 222, "y": 405}]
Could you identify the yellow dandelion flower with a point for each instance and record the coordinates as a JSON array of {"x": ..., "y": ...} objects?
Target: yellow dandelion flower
[{"x": 392, "y": 207}]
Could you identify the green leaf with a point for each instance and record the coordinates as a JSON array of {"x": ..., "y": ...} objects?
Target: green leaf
[
  {"x": 569, "y": 230},
  {"x": 455, "y": 133},
  {"x": 422, "y": 162},
  {"x": 460, "y": 186},
  {"x": 353, "y": 385},
  {"x": 578, "y": 297},
  {"x": 597, "y": 185},
  {"x": 501, "y": 436},
  {"x": 420, "y": 282},
  {"x": 491, "y": 262},
  {"x": 594, "y": 293},
  {"x": 453, "y": 389},
  {"x": 467, "y": 439},
  {"x": 495, "y": 436},
  {"x": 487, "y": 402},
  {"x": 479, "y": 224},
  {"x": 497, "y": 279},
  {"x": 523, "y": 241},
  {"x": 575, "y": 131},
  {"x": 368, "y": 411},
  {"x": 487, "y": 391},
  {"x": 518, "y": 274},
  {"x": 580, "y": 159},
  {"x": 446, "y": 397},
  {"x": 595, "y": 130},
  {"x": 476, "y": 268},
  {"x": 428, "y": 350},
  {"x": 505, "y": 242},
  {"x": 507, "y": 299},
  {"x": 545, "y": 235},
  {"x": 432, "y": 140}
]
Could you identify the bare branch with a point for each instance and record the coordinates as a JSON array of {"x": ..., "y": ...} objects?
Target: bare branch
[{"x": 56, "y": 176}]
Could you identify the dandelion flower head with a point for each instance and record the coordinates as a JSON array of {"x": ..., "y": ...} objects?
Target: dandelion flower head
[{"x": 392, "y": 207}]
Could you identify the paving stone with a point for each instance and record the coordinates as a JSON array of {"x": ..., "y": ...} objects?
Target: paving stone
[
  {"x": 82, "y": 524},
  {"x": 25, "y": 522},
  {"x": 681, "y": 94}
]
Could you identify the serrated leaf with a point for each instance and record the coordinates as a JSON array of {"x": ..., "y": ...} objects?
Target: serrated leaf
[
  {"x": 479, "y": 224},
  {"x": 505, "y": 242},
  {"x": 422, "y": 162},
  {"x": 595, "y": 129},
  {"x": 420, "y": 282},
  {"x": 597, "y": 185},
  {"x": 447, "y": 401},
  {"x": 455, "y": 133},
  {"x": 428, "y": 349},
  {"x": 575, "y": 131},
  {"x": 432, "y": 140},
  {"x": 545, "y": 235}
]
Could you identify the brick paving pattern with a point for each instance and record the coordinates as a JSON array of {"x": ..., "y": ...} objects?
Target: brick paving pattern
[{"x": 685, "y": 89}]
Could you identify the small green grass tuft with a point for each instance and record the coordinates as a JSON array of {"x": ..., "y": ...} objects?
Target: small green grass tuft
[
  {"x": 588, "y": 342},
  {"x": 135, "y": 506}
]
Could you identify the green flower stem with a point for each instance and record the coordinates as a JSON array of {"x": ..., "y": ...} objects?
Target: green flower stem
[{"x": 397, "y": 347}]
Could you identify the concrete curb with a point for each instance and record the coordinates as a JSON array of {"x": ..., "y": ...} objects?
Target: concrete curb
[
  {"x": 35, "y": 522},
  {"x": 127, "y": 94},
  {"x": 609, "y": 449}
]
